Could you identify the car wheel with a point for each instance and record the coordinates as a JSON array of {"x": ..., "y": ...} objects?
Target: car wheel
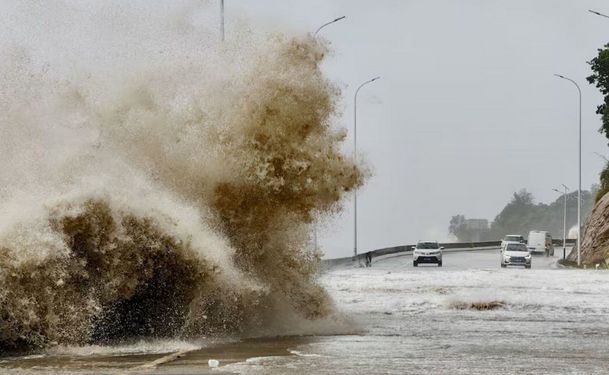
[
  {"x": 440, "y": 264},
  {"x": 503, "y": 265},
  {"x": 527, "y": 266},
  {"x": 414, "y": 263}
]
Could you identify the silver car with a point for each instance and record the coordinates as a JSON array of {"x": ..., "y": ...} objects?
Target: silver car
[{"x": 427, "y": 252}]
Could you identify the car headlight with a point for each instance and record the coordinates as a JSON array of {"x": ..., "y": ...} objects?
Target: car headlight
[
  {"x": 528, "y": 256},
  {"x": 506, "y": 257}
]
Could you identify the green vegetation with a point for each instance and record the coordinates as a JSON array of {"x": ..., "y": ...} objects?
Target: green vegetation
[
  {"x": 604, "y": 183},
  {"x": 600, "y": 78},
  {"x": 568, "y": 263},
  {"x": 522, "y": 215}
]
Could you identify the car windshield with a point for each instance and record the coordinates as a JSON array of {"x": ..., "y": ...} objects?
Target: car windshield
[
  {"x": 516, "y": 247},
  {"x": 513, "y": 238},
  {"x": 428, "y": 245}
]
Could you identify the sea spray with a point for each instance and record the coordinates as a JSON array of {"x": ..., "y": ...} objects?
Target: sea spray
[{"x": 164, "y": 189}]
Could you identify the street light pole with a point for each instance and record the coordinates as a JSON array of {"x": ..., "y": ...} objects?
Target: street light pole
[
  {"x": 579, "y": 188},
  {"x": 315, "y": 34},
  {"x": 564, "y": 222},
  {"x": 328, "y": 23},
  {"x": 222, "y": 20},
  {"x": 355, "y": 158}
]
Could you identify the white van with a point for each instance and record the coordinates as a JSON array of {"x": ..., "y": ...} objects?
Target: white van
[
  {"x": 540, "y": 242},
  {"x": 512, "y": 238}
]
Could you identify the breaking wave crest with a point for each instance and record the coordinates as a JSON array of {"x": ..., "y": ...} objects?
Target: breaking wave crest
[{"x": 161, "y": 189}]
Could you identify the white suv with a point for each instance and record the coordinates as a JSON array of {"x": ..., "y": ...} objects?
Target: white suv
[
  {"x": 427, "y": 252},
  {"x": 515, "y": 254}
]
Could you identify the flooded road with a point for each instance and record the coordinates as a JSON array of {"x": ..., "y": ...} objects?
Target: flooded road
[{"x": 409, "y": 320}]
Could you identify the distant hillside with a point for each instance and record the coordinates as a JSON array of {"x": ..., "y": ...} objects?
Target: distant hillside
[{"x": 522, "y": 215}]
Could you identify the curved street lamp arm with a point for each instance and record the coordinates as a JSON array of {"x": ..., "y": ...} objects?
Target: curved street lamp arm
[
  {"x": 598, "y": 13},
  {"x": 355, "y": 110},
  {"x": 570, "y": 80},
  {"x": 329, "y": 23},
  {"x": 365, "y": 83}
]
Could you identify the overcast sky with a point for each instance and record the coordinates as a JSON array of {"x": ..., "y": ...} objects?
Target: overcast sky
[{"x": 467, "y": 111}]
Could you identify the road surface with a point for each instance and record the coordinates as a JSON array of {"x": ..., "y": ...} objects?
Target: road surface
[{"x": 396, "y": 319}]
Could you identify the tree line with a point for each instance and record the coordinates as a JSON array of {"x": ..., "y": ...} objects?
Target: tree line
[
  {"x": 600, "y": 78},
  {"x": 522, "y": 214}
]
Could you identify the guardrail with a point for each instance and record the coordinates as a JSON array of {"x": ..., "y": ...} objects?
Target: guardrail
[
  {"x": 568, "y": 242},
  {"x": 326, "y": 263}
]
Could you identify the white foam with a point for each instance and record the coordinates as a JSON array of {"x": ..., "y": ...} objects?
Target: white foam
[{"x": 144, "y": 346}]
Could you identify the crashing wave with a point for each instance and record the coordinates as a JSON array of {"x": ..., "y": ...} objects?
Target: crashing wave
[{"x": 163, "y": 194}]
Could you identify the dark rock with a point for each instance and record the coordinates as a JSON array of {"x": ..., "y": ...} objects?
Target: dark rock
[{"x": 595, "y": 245}]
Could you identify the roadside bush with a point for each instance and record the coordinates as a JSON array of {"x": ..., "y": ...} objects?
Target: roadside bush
[{"x": 604, "y": 185}]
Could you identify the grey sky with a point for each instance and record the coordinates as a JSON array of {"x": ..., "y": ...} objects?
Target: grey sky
[{"x": 467, "y": 111}]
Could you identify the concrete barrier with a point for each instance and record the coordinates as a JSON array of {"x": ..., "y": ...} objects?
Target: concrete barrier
[{"x": 448, "y": 247}]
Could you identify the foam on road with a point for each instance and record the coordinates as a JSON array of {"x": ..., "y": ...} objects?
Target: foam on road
[
  {"x": 468, "y": 317},
  {"x": 546, "y": 320}
]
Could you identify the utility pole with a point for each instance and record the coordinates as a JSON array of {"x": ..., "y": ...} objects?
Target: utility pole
[
  {"x": 579, "y": 188},
  {"x": 355, "y": 158},
  {"x": 317, "y": 31},
  {"x": 222, "y": 20}
]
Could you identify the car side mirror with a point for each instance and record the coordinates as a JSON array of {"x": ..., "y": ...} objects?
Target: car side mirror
[{"x": 441, "y": 247}]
